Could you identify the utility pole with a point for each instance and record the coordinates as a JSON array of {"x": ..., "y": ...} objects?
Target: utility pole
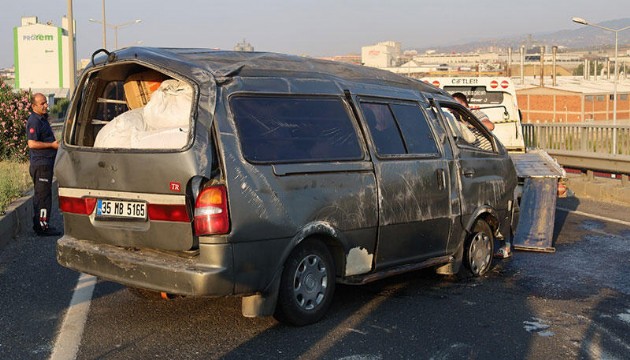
[
  {"x": 522, "y": 64},
  {"x": 71, "y": 57},
  {"x": 542, "y": 66},
  {"x": 104, "y": 28},
  {"x": 509, "y": 62},
  {"x": 553, "y": 67}
]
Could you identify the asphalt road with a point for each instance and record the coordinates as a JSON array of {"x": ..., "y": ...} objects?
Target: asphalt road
[{"x": 573, "y": 304}]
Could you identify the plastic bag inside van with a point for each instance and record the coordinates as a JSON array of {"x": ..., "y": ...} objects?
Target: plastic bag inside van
[
  {"x": 169, "y": 106},
  {"x": 117, "y": 133}
]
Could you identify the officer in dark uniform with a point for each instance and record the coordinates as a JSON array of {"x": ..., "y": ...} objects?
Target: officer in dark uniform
[{"x": 43, "y": 149}]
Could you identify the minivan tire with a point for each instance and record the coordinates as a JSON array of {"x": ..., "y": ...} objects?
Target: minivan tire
[
  {"x": 307, "y": 284},
  {"x": 478, "y": 249}
]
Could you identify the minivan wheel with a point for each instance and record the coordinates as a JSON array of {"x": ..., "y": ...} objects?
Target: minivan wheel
[
  {"x": 307, "y": 284},
  {"x": 478, "y": 249}
]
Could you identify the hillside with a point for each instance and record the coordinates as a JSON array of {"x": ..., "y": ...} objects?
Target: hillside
[{"x": 584, "y": 37}]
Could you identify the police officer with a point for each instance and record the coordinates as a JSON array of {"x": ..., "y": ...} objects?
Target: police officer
[{"x": 43, "y": 149}]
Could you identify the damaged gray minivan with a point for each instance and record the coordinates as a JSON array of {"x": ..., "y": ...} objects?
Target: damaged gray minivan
[{"x": 272, "y": 177}]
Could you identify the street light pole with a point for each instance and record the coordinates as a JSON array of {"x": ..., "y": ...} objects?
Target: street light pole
[
  {"x": 615, "y": 90},
  {"x": 71, "y": 52},
  {"x": 115, "y": 27},
  {"x": 582, "y": 21},
  {"x": 104, "y": 28}
]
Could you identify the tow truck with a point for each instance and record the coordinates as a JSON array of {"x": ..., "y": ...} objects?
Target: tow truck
[{"x": 540, "y": 176}]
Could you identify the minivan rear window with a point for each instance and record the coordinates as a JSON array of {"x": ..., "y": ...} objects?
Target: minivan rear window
[
  {"x": 128, "y": 106},
  {"x": 287, "y": 129}
]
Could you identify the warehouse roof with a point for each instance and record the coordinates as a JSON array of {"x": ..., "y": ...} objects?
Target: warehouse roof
[{"x": 574, "y": 84}]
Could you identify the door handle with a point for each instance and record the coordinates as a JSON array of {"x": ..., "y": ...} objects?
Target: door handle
[
  {"x": 441, "y": 179},
  {"x": 468, "y": 172}
]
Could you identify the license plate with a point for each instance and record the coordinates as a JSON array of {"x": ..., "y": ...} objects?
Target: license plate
[{"x": 120, "y": 209}]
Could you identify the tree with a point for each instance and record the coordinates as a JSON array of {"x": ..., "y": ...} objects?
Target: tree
[
  {"x": 14, "y": 111},
  {"x": 579, "y": 71},
  {"x": 59, "y": 109}
]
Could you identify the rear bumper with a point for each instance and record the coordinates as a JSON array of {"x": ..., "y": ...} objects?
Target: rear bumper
[{"x": 152, "y": 270}]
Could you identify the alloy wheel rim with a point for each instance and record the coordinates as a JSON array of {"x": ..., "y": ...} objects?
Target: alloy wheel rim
[
  {"x": 480, "y": 253},
  {"x": 310, "y": 282}
]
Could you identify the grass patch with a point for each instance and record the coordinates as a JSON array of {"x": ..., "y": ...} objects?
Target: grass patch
[{"x": 14, "y": 182}]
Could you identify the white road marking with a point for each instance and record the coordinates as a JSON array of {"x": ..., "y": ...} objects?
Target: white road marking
[
  {"x": 535, "y": 326},
  {"x": 621, "y": 222},
  {"x": 605, "y": 331},
  {"x": 71, "y": 331}
]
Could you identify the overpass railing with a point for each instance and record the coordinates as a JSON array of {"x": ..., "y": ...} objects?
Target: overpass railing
[{"x": 583, "y": 146}]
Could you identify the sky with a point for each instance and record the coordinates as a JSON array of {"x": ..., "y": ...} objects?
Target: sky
[{"x": 302, "y": 27}]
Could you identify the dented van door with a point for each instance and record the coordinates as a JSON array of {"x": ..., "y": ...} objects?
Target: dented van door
[
  {"x": 485, "y": 171},
  {"x": 413, "y": 183}
]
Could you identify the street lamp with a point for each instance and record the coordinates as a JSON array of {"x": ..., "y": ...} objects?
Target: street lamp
[
  {"x": 616, "y": 80},
  {"x": 116, "y": 27}
]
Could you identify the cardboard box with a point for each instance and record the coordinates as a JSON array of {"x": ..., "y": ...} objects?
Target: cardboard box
[{"x": 139, "y": 87}]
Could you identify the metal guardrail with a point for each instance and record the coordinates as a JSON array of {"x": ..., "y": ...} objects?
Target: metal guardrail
[
  {"x": 57, "y": 128},
  {"x": 582, "y": 146}
]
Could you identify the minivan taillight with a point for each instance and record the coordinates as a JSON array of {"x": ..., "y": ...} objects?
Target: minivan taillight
[
  {"x": 211, "y": 211},
  {"x": 168, "y": 213},
  {"x": 82, "y": 206}
]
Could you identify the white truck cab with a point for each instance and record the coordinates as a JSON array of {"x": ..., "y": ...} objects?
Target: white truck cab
[{"x": 496, "y": 97}]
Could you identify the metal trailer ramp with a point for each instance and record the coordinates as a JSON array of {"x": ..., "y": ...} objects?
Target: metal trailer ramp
[
  {"x": 539, "y": 174},
  {"x": 534, "y": 231}
]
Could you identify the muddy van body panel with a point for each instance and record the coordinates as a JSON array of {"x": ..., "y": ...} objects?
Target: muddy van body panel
[
  {"x": 283, "y": 204},
  {"x": 165, "y": 235},
  {"x": 112, "y": 170},
  {"x": 210, "y": 274}
]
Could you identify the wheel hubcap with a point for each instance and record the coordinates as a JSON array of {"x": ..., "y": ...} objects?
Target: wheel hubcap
[
  {"x": 310, "y": 282},
  {"x": 480, "y": 253}
]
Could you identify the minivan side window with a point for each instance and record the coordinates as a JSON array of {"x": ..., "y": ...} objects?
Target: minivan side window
[
  {"x": 399, "y": 129},
  {"x": 384, "y": 130},
  {"x": 289, "y": 129},
  {"x": 415, "y": 129}
]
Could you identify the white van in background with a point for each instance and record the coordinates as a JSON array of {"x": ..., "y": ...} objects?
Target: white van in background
[{"x": 496, "y": 97}]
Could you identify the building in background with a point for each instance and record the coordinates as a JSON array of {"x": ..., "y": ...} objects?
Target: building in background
[
  {"x": 573, "y": 100},
  {"x": 41, "y": 57},
  {"x": 243, "y": 46},
  {"x": 382, "y": 55},
  {"x": 348, "y": 58},
  {"x": 8, "y": 76}
]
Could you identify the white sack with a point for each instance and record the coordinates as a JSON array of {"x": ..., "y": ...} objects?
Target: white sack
[
  {"x": 117, "y": 133},
  {"x": 173, "y": 138},
  {"x": 169, "y": 106}
]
